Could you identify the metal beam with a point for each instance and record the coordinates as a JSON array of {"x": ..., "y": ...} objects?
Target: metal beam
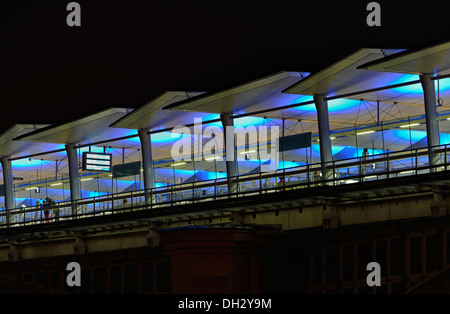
[
  {"x": 324, "y": 135},
  {"x": 75, "y": 192},
  {"x": 431, "y": 117},
  {"x": 147, "y": 162},
  {"x": 8, "y": 185},
  {"x": 230, "y": 151}
]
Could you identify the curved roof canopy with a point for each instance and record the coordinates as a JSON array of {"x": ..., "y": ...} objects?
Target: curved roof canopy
[
  {"x": 239, "y": 98},
  {"x": 76, "y": 131},
  {"x": 434, "y": 60},
  {"x": 151, "y": 114},
  {"x": 368, "y": 75},
  {"x": 342, "y": 75},
  {"x": 10, "y": 147}
]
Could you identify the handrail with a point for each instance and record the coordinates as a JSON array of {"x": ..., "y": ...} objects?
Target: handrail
[{"x": 200, "y": 191}]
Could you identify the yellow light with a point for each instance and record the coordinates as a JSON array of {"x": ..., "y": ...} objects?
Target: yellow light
[
  {"x": 367, "y": 132},
  {"x": 409, "y": 125},
  {"x": 212, "y": 158}
]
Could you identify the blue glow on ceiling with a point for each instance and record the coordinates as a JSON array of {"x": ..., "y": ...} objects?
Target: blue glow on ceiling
[
  {"x": 92, "y": 193},
  {"x": 212, "y": 116},
  {"x": 444, "y": 138},
  {"x": 406, "y": 135},
  {"x": 404, "y": 79},
  {"x": 169, "y": 172},
  {"x": 241, "y": 122},
  {"x": 415, "y": 88},
  {"x": 246, "y": 121},
  {"x": 335, "y": 105},
  {"x": 334, "y": 149},
  {"x": 353, "y": 152},
  {"x": 165, "y": 137},
  {"x": 23, "y": 163},
  {"x": 304, "y": 98},
  {"x": 342, "y": 104},
  {"x": 444, "y": 85},
  {"x": 289, "y": 164},
  {"x": 162, "y": 137},
  {"x": 215, "y": 175}
]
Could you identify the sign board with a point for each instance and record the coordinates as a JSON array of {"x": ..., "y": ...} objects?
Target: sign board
[
  {"x": 97, "y": 162},
  {"x": 125, "y": 170},
  {"x": 295, "y": 141}
]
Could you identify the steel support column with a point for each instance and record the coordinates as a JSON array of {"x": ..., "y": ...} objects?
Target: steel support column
[
  {"x": 147, "y": 162},
  {"x": 8, "y": 186},
  {"x": 75, "y": 192},
  {"x": 326, "y": 156},
  {"x": 230, "y": 152},
  {"x": 431, "y": 117}
]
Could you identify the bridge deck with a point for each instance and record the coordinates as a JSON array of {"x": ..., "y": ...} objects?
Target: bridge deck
[{"x": 348, "y": 172}]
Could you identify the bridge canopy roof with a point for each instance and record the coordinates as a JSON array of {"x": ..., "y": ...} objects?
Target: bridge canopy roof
[{"x": 371, "y": 89}]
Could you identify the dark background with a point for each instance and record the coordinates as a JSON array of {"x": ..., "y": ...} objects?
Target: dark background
[{"x": 127, "y": 52}]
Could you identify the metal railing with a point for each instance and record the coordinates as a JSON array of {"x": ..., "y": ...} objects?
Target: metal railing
[{"x": 345, "y": 171}]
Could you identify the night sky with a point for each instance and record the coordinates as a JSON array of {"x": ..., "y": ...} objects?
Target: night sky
[{"x": 127, "y": 52}]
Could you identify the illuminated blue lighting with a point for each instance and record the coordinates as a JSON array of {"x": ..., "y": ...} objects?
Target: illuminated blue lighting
[
  {"x": 406, "y": 135},
  {"x": 93, "y": 193},
  {"x": 165, "y": 137},
  {"x": 334, "y": 149},
  {"x": 123, "y": 182},
  {"x": 444, "y": 85},
  {"x": 215, "y": 175},
  {"x": 203, "y": 175},
  {"x": 414, "y": 88},
  {"x": 342, "y": 104},
  {"x": 162, "y": 137},
  {"x": 289, "y": 164},
  {"x": 303, "y": 98},
  {"x": 135, "y": 139},
  {"x": 22, "y": 163},
  {"x": 444, "y": 138},
  {"x": 212, "y": 116},
  {"x": 334, "y": 105},
  {"x": 353, "y": 152},
  {"x": 169, "y": 172},
  {"x": 246, "y": 121},
  {"x": 405, "y": 78},
  {"x": 310, "y": 107},
  {"x": 359, "y": 152},
  {"x": 241, "y": 122}
]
